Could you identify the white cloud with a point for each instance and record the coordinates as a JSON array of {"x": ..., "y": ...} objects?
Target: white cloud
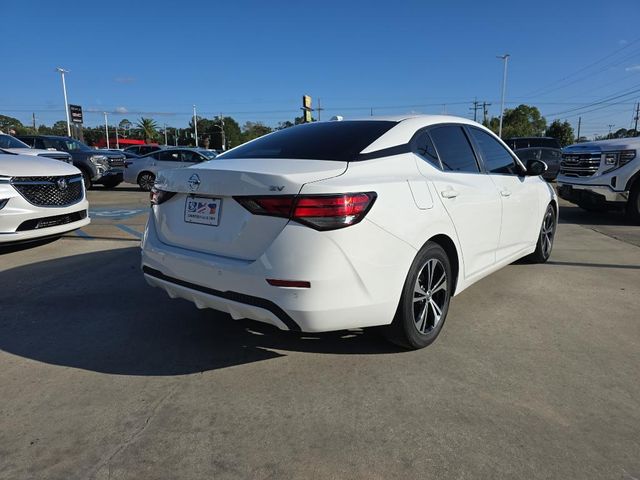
[
  {"x": 122, "y": 110},
  {"x": 633, "y": 68}
]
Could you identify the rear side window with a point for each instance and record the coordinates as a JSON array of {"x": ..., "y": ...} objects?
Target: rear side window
[
  {"x": 169, "y": 156},
  {"x": 454, "y": 149},
  {"x": 341, "y": 141},
  {"x": 423, "y": 146},
  {"x": 496, "y": 158}
]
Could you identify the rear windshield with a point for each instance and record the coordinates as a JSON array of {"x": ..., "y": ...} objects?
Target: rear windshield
[{"x": 341, "y": 141}]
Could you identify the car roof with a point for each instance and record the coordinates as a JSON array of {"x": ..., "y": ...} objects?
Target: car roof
[{"x": 407, "y": 125}]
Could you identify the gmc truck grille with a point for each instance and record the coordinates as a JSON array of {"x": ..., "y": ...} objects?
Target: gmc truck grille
[
  {"x": 579, "y": 164},
  {"x": 50, "y": 191},
  {"x": 116, "y": 162}
]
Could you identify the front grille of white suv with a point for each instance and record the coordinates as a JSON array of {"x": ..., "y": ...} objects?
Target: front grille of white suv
[
  {"x": 579, "y": 164},
  {"x": 50, "y": 191}
]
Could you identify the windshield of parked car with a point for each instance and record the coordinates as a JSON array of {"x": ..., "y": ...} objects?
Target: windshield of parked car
[
  {"x": 67, "y": 144},
  {"x": 7, "y": 141},
  {"x": 341, "y": 141}
]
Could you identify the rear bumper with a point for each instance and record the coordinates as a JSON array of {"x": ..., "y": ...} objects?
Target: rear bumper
[
  {"x": 591, "y": 194},
  {"x": 345, "y": 292}
]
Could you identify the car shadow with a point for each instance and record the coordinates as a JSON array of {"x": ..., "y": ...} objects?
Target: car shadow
[
  {"x": 571, "y": 214},
  {"x": 21, "y": 246},
  {"x": 95, "y": 312}
]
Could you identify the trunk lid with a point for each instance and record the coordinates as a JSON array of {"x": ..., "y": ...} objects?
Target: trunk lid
[{"x": 239, "y": 233}]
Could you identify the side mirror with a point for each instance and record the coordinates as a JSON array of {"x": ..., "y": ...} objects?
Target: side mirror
[{"x": 536, "y": 167}]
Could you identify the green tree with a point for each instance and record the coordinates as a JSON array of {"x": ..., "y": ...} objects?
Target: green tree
[
  {"x": 125, "y": 127},
  {"x": 148, "y": 129},
  {"x": 561, "y": 131},
  {"x": 7, "y": 123},
  {"x": 522, "y": 121},
  {"x": 253, "y": 130},
  {"x": 283, "y": 125}
]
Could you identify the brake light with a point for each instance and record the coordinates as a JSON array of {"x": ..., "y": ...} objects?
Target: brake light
[
  {"x": 321, "y": 212},
  {"x": 158, "y": 197}
]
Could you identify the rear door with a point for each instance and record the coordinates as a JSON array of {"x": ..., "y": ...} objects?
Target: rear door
[
  {"x": 518, "y": 193},
  {"x": 190, "y": 157},
  {"x": 168, "y": 159},
  {"x": 469, "y": 196}
]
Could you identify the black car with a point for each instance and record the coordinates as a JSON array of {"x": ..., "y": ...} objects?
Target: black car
[
  {"x": 102, "y": 167},
  {"x": 546, "y": 149}
]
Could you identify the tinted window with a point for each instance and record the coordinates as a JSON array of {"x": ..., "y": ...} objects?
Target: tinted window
[
  {"x": 7, "y": 141},
  {"x": 169, "y": 156},
  {"x": 27, "y": 140},
  {"x": 423, "y": 146},
  {"x": 192, "y": 157},
  {"x": 40, "y": 144},
  {"x": 496, "y": 158},
  {"x": 454, "y": 149},
  {"x": 341, "y": 141}
]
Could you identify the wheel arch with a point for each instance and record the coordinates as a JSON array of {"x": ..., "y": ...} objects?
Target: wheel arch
[
  {"x": 142, "y": 172},
  {"x": 449, "y": 246}
]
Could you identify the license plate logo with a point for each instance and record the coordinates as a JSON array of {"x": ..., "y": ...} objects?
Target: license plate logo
[{"x": 205, "y": 211}]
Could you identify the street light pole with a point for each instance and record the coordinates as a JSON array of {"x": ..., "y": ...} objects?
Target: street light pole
[
  {"x": 195, "y": 124},
  {"x": 504, "y": 57},
  {"x": 66, "y": 104},
  {"x": 165, "y": 134},
  {"x": 106, "y": 128}
]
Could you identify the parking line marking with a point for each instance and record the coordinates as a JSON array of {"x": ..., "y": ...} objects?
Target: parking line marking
[
  {"x": 83, "y": 234},
  {"x": 129, "y": 230}
]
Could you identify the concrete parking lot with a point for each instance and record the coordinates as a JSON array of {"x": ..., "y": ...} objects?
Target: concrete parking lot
[{"x": 536, "y": 374}]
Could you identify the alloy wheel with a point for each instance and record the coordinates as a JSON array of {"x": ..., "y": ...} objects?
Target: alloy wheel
[
  {"x": 430, "y": 296},
  {"x": 547, "y": 232},
  {"x": 146, "y": 181}
]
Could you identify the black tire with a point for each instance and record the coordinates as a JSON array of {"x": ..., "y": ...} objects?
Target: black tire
[
  {"x": 633, "y": 205},
  {"x": 87, "y": 180},
  {"x": 545, "y": 237},
  {"x": 111, "y": 183},
  {"x": 146, "y": 181},
  {"x": 416, "y": 323}
]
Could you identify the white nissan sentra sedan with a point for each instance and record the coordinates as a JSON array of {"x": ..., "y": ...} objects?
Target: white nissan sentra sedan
[
  {"x": 39, "y": 197},
  {"x": 348, "y": 224}
]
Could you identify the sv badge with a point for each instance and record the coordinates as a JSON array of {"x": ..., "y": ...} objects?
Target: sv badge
[{"x": 276, "y": 188}]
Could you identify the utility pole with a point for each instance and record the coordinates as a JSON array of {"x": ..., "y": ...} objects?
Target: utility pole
[
  {"x": 505, "y": 58},
  {"x": 165, "y": 134},
  {"x": 319, "y": 109},
  {"x": 636, "y": 118},
  {"x": 485, "y": 112},
  {"x": 222, "y": 129},
  {"x": 195, "y": 124},
  {"x": 444, "y": 109},
  {"x": 33, "y": 117},
  {"x": 475, "y": 108},
  {"x": 117, "y": 139},
  {"x": 610, "y": 127},
  {"x": 579, "y": 123},
  {"x": 66, "y": 104},
  {"x": 106, "y": 128},
  {"x": 372, "y": 111}
]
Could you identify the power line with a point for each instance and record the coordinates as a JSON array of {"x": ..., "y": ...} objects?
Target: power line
[{"x": 542, "y": 89}]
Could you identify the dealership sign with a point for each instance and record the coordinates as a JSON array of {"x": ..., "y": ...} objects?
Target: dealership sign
[{"x": 75, "y": 112}]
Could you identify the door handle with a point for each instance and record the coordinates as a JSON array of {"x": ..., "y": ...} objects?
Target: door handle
[
  {"x": 450, "y": 193},
  {"x": 505, "y": 193}
]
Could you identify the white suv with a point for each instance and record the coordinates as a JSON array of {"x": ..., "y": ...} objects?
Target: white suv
[
  {"x": 11, "y": 144},
  {"x": 601, "y": 175},
  {"x": 348, "y": 224},
  {"x": 39, "y": 197}
]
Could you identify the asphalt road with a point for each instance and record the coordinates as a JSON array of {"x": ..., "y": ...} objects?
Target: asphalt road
[{"x": 535, "y": 376}]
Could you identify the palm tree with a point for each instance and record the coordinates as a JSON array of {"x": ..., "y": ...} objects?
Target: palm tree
[{"x": 148, "y": 128}]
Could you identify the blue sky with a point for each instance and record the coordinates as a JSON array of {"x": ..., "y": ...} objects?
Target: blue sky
[{"x": 254, "y": 60}]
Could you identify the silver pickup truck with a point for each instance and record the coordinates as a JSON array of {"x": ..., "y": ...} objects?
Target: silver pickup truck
[{"x": 601, "y": 175}]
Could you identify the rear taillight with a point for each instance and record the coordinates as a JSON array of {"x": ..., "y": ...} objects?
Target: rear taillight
[
  {"x": 321, "y": 212},
  {"x": 158, "y": 197}
]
